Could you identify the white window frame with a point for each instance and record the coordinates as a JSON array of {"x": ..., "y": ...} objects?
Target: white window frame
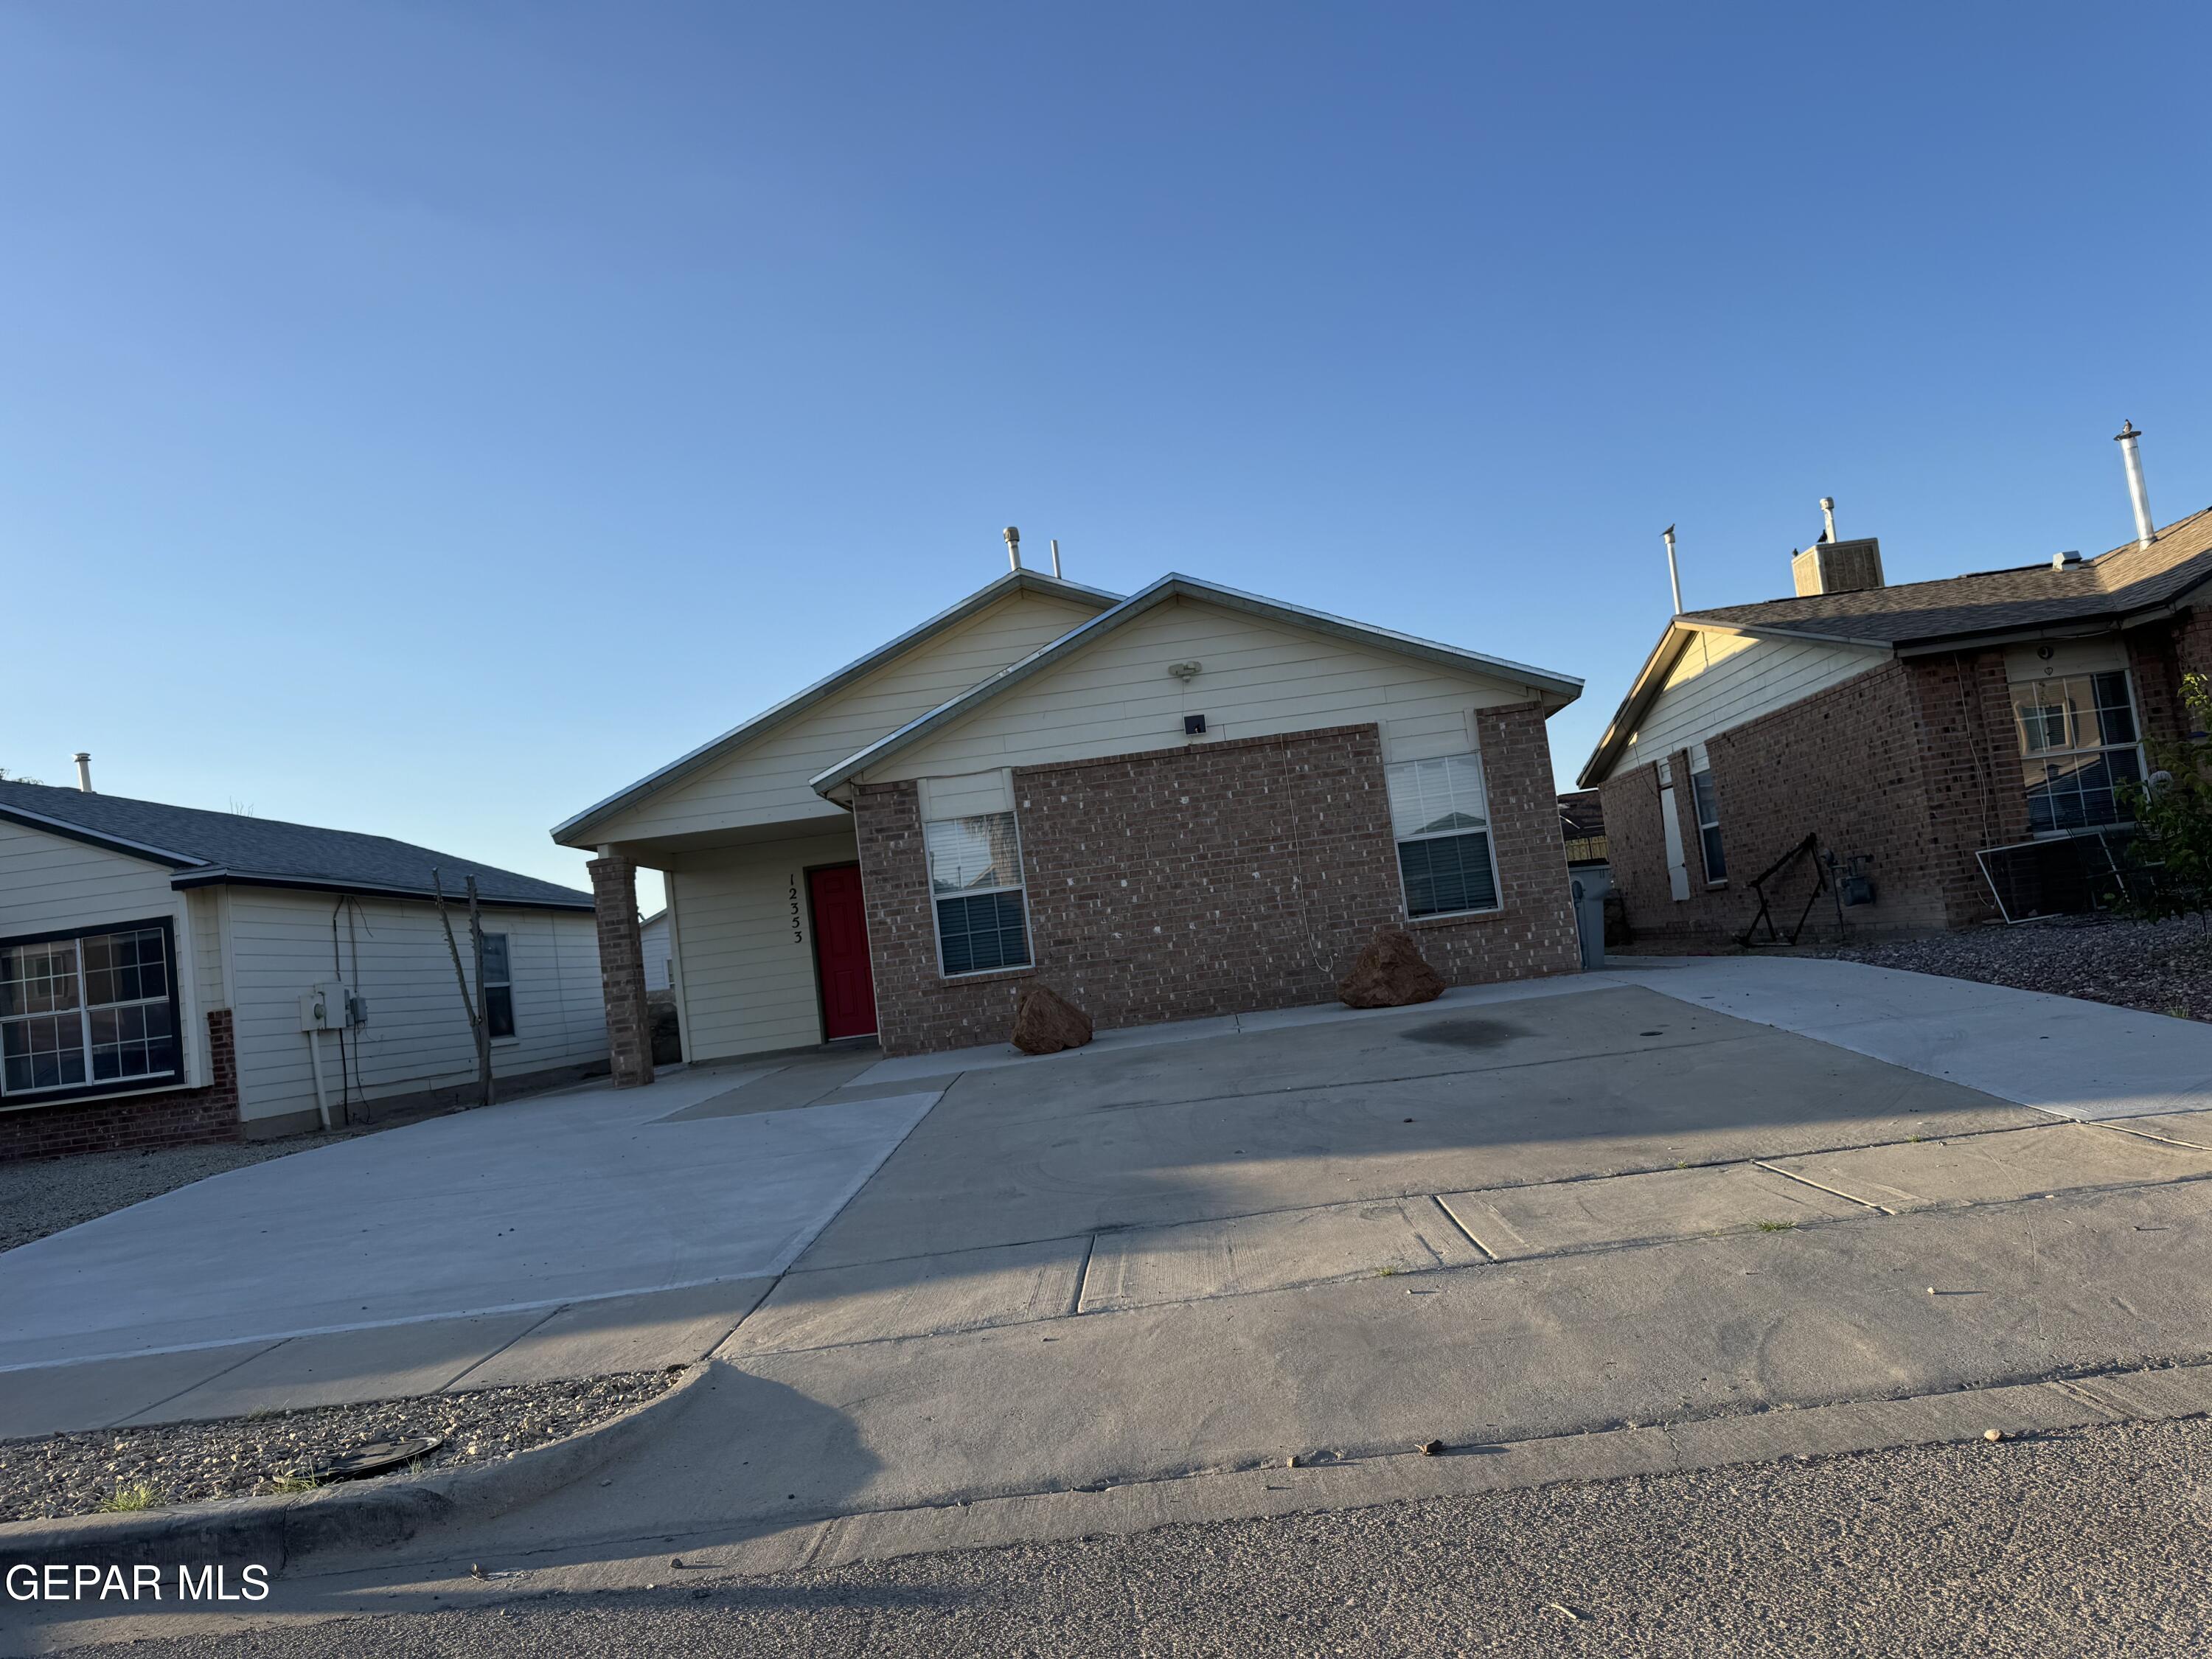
[
  {"x": 174, "y": 1076},
  {"x": 937, "y": 932},
  {"x": 2014, "y": 690},
  {"x": 483, "y": 999},
  {"x": 1488, "y": 832}
]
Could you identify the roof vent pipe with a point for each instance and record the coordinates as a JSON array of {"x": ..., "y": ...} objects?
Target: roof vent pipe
[
  {"x": 84, "y": 770},
  {"x": 2130, "y": 453},
  {"x": 1828, "y": 513},
  {"x": 1055, "y": 558},
  {"x": 1013, "y": 548},
  {"x": 1674, "y": 575}
]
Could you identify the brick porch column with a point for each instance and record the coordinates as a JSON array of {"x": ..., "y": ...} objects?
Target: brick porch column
[{"x": 621, "y": 969}]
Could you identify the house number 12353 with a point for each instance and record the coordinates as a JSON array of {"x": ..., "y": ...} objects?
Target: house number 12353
[{"x": 797, "y": 930}]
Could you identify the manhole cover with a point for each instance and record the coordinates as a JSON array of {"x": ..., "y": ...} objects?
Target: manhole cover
[{"x": 375, "y": 1458}]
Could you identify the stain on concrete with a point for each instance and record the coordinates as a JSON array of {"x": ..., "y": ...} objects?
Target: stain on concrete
[{"x": 1463, "y": 1031}]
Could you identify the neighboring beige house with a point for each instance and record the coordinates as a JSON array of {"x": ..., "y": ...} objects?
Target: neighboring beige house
[
  {"x": 1174, "y": 804},
  {"x": 168, "y": 975},
  {"x": 1903, "y": 758},
  {"x": 652, "y": 940}
]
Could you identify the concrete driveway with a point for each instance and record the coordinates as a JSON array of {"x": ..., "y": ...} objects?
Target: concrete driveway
[
  {"x": 1526, "y": 1217},
  {"x": 1507, "y": 1217},
  {"x": 593, "y": 1231}
]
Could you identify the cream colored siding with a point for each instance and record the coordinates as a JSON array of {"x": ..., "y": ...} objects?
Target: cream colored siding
[
  {"x": 204, "y": 906},
  {"x": 1427, "y": 737},
  {"x": 394, "y": 955},
  {"x": 1722, "y": 680},
  {"x": 653, "y": 939},
  {"x": 766, "y": 781},
  {"x": 974, "y": 796},
  {"x": 745, "y": 944},
  {"x": 50, "y": 882},
  {"x": 1257, "y": 679}
]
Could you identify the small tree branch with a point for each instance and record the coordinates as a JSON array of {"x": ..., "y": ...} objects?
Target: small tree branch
[{"x": 460, "y": 975}]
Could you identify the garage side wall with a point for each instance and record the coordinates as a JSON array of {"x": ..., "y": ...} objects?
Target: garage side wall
[{"x": 1179, "y": 884}]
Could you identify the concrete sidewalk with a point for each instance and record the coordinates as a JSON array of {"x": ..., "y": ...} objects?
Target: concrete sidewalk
[{"x": 2087, "y": 1060}]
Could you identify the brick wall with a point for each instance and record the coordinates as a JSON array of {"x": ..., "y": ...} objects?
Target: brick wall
[
  {"x": 179, "y": 1117},
  {"x": 1212, "y": 879},
  {"x": 622, "y": 971},
  {"x": 1845, "y": 764},
  {"x": 1969, "y": 745},
  {"x": 2159, "y": 655}
]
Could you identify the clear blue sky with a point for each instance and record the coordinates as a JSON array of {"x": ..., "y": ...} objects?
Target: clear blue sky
[{"x": 426, "y": 418}]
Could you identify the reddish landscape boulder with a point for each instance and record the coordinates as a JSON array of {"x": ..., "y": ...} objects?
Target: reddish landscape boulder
[
  {"x": 1045, "y": 1022},
  {"x": 1389, "y": 974}
]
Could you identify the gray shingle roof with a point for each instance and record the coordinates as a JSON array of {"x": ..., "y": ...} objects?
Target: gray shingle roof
[
  {"x": 2127, "y": 578},
  {"x": 203, "y": 846}
]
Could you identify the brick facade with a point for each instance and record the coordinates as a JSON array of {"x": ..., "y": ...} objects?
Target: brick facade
[
  {"x": 1916, "y": 763},
  {"x": 1217, "y": 878},
  {"x": 622, "y": 971},
  {"x": 179, "y": 1117}
]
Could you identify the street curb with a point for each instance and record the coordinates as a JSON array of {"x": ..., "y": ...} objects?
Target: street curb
[{"x": 274, "y": 1532}]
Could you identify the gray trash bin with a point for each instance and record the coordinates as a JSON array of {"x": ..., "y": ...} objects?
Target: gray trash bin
[{"x": 1589, "y": 924}]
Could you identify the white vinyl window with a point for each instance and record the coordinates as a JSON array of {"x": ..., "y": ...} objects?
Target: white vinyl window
[
  {"x": 2077, "y": 741},
  {"x": 976, "y": 888},
  {"x": 1440, "y": 814},
  {"x": 93, "y": 1011},
  {"x": 498, "y": 987}
]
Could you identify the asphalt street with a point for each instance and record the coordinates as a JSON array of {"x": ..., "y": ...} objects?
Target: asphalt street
[{"x": 2091, "y": 1542}]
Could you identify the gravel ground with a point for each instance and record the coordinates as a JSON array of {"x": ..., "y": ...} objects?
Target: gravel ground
[
  {"x": 44, "y": 1197},
  {"x": 2086, "y": 1543},
  {"x": 2161, "y": 966},
  {"x": 240, "y": 1456}
]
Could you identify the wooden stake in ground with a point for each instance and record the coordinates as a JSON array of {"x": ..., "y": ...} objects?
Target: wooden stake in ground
[{"x": 473, "y": 1005}]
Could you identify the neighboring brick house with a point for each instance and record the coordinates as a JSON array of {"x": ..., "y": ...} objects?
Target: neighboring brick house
[
  {"x": 162, "y": 968},
  {"x": 1188, "y": 802},
  {"x": 1907, "y": 728}
]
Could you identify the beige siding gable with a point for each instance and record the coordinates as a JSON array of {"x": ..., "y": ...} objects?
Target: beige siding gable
[
  {"x": 1256, "y": 679},
  {"x": 50, "y": 882},
  {"x": 766, "y": 781},
  {"x": 1724, "y": 680}
]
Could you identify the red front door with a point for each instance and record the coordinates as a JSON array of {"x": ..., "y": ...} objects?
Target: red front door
[{"x": 840, "y": 952}]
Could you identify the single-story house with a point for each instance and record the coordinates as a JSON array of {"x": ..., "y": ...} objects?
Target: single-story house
[
  {"x": 652, "y": 940},
  {"x": 168, "y": 975},
  {"x": 1948, "y": 744},
  {"x": 1187, "y": 801}
]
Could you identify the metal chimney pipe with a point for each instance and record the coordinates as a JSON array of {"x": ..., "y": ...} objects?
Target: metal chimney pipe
[
  {"x": 85, "y": 771},
  {"x": 1055, "y": 559},
  {"x": 1828, "y": 513},
  {"x": 1013, "y": 548},
  {"x": 1674, "y": 575},
  {"x": 2146, "y": 533}
]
